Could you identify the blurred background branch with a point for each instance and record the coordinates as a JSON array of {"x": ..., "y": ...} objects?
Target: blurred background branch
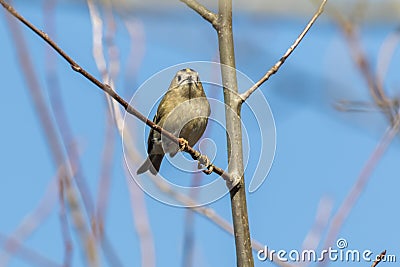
[{"x": 353, "y": 52}]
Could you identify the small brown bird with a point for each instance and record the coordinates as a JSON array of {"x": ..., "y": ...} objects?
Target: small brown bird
[{"x": 184, "y": 112}]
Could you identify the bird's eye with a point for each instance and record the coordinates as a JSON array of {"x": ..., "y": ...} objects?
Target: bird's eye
[{"x": 179, "y": 78}]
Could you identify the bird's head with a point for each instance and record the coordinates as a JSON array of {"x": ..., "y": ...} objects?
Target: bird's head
[{"x": 186, "y": 76}]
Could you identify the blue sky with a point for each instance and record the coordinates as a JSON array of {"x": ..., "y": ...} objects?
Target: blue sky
[{"x": 320, "y": 152}]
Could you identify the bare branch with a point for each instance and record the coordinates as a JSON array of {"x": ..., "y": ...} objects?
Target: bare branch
[
  {"x": 206, "y": 212},
  {"x": 56, "y": 148},
  {"x": 86, "y": 237},
  {"x": 359, "y": 185},
  {"x": 137, "y": 196},
  {"x": 360, "y": 58},
  {"x": 282, "y": 60},
  {"x": 25, "y": 253},
  {"x": 104, "y": 182},
  {"x": 189, "y": 222},
  {"x": 385, "y": 55},
  {"x": 183, "y": 144},
  {"x": 61, "y": 120},
  {"x": 313, "y": 238},
  {"x": 137, "y": 51},
  {"x": 244, "y": 255},
  {"x": 142, "y": 224},
  {"x": 105, "y": 173},
  {"x": 202, "y": 11},
  {"x": 358, "y": 106},
  {"x": 165, "y": 187},
  {"x": 379, "y": 258},
  {"x": 30, "y": 223}
]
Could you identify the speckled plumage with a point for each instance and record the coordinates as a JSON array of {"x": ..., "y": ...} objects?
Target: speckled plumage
[{"x": 183, "y": 111}]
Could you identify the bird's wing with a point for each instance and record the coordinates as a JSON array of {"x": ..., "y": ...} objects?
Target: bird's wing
[
  {"x": 159, "y": 118},
  {"x": 166, "y": 105}
]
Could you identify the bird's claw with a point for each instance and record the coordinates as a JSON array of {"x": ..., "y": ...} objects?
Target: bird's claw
[
  {"x": 205, "y": 163},
  {"x": 183, "y": 144},
  {"x": 209, "y": 170}
]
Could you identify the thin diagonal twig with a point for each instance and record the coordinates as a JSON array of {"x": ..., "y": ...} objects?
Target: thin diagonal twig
[
  {"x": 359, "y": 186},
  {"x": 379, "y": 259},
  {"x": 30, "y": 223},
  {"x": 231, "y": 180},
  {"x": 282, "y": 60},
  {"x": 357, "y": 106},
  {"x": 27, "y": 254}
]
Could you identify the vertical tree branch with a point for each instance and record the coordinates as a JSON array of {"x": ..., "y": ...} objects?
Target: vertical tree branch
[{"x": 233, "y": 102}]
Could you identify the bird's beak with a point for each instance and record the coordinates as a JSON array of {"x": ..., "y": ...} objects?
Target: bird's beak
[{"x": 189, "y": 80}]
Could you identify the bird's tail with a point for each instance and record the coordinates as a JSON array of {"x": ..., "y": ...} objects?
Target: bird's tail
[{"x": 152, "y": 164}]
